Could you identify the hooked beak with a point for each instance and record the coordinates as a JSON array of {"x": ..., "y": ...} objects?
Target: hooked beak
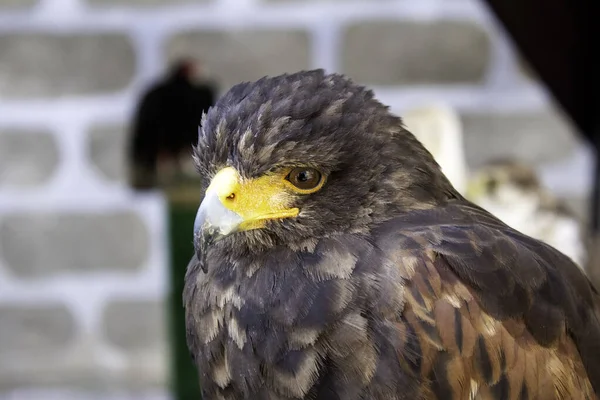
[
  {"x": 213, "y": 222},
  {"x": 232, "y": 204}
]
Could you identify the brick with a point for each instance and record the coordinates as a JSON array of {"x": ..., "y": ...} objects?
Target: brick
[
  {"x": 83, "y": 371},
  {"x": 16, "y": 4},
  {"x": 142, "y": 3},
  {"x": 107, "y": 150},
  {"x": 242, "y": 55},
  {"x": 30, "y": 393},
  {"x": 38, "y": 245},
  {"x": 135, "y": 325},
  {"x": 403, "y": 53},
  {"x": 34, "y": 329},
  {"x": 535, "y": 138},
  {"x": 27, "y": 158},
  {"x": 50, "y": 65}
]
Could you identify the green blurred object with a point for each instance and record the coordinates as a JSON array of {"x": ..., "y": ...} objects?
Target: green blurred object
[{"x": 184, "y": 200}]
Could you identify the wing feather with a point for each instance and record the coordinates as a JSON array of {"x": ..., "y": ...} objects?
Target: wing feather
[{"x": 497, "y": 314}]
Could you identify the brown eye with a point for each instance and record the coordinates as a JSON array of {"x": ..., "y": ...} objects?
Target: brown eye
[{"x": 305, "y": 178}]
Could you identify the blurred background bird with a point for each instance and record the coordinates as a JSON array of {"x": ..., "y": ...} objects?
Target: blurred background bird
[
  {"x": 508, "y": 188},
  {"x": 166, "y": 124},
  {"x": 512, "y": 191}
]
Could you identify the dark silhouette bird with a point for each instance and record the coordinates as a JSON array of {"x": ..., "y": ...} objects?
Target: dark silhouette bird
[
  {"x": 334, "y": 260},
  {"x": 166, "y": 122}
]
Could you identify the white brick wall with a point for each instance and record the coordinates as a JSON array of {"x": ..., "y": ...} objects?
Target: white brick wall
[{"x": 62, "y": 83}]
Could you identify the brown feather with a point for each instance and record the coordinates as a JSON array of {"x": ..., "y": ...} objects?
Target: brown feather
[{"x": 493, "y": 355}]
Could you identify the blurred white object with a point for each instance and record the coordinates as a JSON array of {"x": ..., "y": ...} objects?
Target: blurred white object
[
  {"x": 512, "y": 191},
  {"x": 439, "y": 129}
]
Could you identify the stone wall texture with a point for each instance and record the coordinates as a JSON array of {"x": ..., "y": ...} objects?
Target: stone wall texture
[{"x": 83, "y": 267}]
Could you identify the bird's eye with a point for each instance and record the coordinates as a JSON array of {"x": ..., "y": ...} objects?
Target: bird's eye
[{"x": 305, "y": 179}]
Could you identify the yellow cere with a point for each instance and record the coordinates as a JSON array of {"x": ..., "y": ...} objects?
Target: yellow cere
[{"x": 255, "y": 200}]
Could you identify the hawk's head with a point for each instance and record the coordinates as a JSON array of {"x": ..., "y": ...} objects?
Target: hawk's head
[{"x": 306, "y": 155}]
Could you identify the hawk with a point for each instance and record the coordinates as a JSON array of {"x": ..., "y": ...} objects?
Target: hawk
[{"x": 334, "y": 260}]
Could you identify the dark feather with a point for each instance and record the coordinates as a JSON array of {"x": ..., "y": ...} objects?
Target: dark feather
[{"x": 541, "y": 329}]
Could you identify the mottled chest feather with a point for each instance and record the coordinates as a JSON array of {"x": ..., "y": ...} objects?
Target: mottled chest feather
[{"x": 268, "y": 329}]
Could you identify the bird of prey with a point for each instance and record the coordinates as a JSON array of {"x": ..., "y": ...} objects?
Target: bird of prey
[
  {"x": 439, "y": 129},
  {"x": 165, "y": 124},
  {"x": 334, "y": 260},
  {"x": 511, "y": 191}
]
